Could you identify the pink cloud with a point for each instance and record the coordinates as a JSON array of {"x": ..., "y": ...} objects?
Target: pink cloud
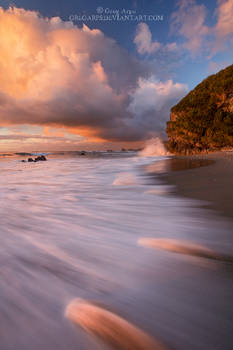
[
  {"x": 143, "y": 40},
  {"x": 224, "y": 26},
  {"x": 53, "y": 73},
  {"x": 189, "y": 22},
  {"x": 223, "y": 29},
  {"x": 145, "y": 44}
]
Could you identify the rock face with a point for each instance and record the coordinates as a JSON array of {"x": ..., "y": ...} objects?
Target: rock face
[{"x": 203, "y": 120}]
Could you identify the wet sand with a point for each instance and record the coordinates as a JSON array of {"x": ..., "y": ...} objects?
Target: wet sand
[{"x": 206, "y": 177}]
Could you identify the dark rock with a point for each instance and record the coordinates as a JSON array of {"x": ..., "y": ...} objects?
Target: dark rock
[{"x": 41, "y": 158}]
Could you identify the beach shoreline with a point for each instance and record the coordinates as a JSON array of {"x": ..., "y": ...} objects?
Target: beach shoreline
[{"x": 204, "y": 177}]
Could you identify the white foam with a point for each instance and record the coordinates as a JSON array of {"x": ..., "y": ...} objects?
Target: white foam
[
  {"x": 154, "y": 147},
  {"x": 125, "y": 179},
  {"x": 160, "y": 191}
]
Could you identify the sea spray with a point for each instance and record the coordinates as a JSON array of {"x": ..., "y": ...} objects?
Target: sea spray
[{"x": 154, "y": 147}]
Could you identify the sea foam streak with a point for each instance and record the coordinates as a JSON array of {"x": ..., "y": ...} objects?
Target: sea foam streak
[
  {"x": 183, "y": 247},
  {"x": 109, "y": 327},
  {"x": 125, "y": 179}
]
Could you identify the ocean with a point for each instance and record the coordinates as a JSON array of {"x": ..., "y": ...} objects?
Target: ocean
[{"x": 72, "y": 227}]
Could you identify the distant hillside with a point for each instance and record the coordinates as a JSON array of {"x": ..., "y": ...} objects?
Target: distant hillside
[{"x": 203, "y": 120}]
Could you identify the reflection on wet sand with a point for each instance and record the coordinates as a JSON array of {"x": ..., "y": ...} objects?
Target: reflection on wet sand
[
  {"x": 109, "y": 327},
  {"x": 183, "y": 247},
  {"x": 177, "y": 164}
]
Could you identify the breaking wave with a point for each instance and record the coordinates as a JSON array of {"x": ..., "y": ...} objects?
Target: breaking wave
[{"x": 154, "y": 147}]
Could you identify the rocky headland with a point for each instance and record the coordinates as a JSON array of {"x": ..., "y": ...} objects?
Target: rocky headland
[{"x": 203, "y": 120}]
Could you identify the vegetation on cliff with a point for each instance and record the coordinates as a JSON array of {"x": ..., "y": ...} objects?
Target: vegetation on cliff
[{"x": 203, "y": 119}]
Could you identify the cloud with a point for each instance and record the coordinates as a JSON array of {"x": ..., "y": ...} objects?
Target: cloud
[
  {"x": 53, "y": 73},
  {"x": 22, "y": 137},
  {"x": 171, "y": 47},
  {"x": 145, "y": 45},
  {"x": 223, "y": 29},
  {"x": 143, "y": 40},
  {"x": 50, "y": 135},
  {"x": 161, "y": 59},
  {"x": 151, "y": 102},
  {"x": 188, "y": 21},
  {"x": 215, "y": 67},
  {"x": 224, "y": 26}
]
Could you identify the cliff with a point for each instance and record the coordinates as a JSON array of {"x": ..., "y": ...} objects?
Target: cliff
[{"x": 203, "y": 120}]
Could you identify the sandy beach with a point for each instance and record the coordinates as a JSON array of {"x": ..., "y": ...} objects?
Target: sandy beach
[{"x": 206, "y": 177}]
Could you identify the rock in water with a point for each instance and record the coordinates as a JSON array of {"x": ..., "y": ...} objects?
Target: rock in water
[
  {"x": 203, "y": 120},
  {"x": 40, "y": 158}
]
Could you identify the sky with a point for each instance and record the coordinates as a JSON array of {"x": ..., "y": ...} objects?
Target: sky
[{"x": 103, "y": 74}]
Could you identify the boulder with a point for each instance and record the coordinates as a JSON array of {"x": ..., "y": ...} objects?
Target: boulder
[{"x": 41, "y": 158}]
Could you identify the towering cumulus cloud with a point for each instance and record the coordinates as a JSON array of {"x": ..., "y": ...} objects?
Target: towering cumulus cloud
[
  {"x": 54, "y": 73},
  {"x": 151, "y": 101}
]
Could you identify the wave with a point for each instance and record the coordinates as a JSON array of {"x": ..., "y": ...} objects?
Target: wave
[
  {"x": 23, "y": 154},
  {"x": 154, "y": 147},
  {"x": 39, "y": 154}
]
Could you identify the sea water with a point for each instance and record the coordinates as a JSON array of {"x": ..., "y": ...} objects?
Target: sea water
[{"x": 70, "y": 228}]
